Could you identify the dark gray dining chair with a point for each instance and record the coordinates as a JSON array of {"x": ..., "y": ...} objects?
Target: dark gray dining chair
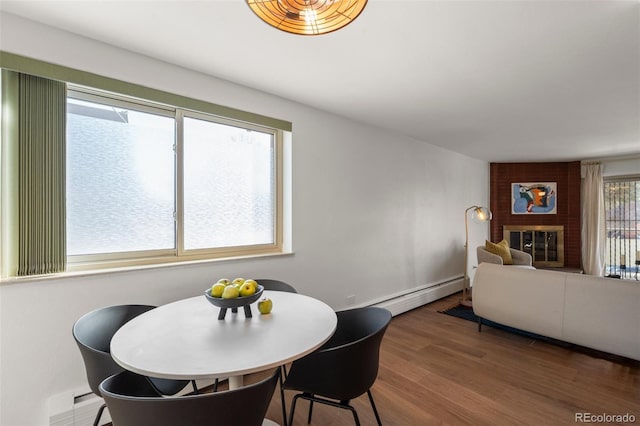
[
  {"x": 132, "y": 402},
  {"x": 345, "y": 367},
  {"x": 93, "y": 332},
  {"x": 276, "y": 285}
]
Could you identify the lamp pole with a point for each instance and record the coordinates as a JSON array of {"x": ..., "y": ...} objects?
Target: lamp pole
[
  {"x": 483, "y": 214},
  {"x": 466, "y": 301}
]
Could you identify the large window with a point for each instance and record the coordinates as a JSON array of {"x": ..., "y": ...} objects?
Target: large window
[
  {"x": 148, "y": 182},
  {"x": 622, "y": 223}
]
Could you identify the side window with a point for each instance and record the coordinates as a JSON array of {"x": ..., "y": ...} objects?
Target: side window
[
  {"x": 622, "y": 224},
  {"x": 148, "y": 181}
]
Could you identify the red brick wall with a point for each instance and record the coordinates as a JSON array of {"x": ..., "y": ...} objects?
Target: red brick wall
[{"x": 567, "y": 178}]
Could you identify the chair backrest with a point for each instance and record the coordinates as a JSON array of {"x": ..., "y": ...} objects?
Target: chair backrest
[
  {"x": 276, "y": 285},
  {"x": 93, "y": 333},
  {"x": 485, "y": 256},
  {"x": 517, "y": 256},
  {"x": 346, "y": 366},
  {"x": 131, "y": 404}
]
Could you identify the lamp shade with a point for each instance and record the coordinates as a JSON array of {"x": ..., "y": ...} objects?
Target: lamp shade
[
  {"x": 307, "y": 17},
  {"x": 481, "y": 214}
]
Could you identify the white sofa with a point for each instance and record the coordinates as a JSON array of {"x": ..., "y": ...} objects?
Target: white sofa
[{"x": 595, "y": 312}]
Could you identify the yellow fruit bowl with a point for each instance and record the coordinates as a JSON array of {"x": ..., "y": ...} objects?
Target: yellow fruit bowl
[{"x": 235, "y": 303}]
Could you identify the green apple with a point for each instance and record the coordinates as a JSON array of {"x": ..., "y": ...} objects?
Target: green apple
[
  {"x": 217, "y": 289},
  {"x": 248, "y": 288},
  {"x": 265, "y": 305},
  {"x": 238, "y": 281},
  {"x": 230, "y": 292},
  {"x": 224, "y": 281},
  {"x": 254, "y": 282}
]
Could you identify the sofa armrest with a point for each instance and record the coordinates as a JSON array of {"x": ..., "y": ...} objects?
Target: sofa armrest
[
  {"x": 528, "y": 299},
  {"x": 520, "y": 257},
  {"x": 487, "y": 257}
]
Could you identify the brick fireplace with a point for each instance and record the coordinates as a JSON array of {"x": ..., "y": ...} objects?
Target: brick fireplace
[{"x": 567, "y": 216}]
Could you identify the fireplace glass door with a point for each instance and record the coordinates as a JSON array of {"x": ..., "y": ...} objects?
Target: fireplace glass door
[{"x": 545, "y": 244}]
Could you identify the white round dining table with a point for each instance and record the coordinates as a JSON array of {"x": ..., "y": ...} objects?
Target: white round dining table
[{"x": 186, "y": 340}]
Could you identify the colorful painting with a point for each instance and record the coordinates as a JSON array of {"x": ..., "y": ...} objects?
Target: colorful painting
[{"x": 533, "y": 198}]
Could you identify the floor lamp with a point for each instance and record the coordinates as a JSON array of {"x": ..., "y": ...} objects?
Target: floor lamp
[{"x": 478, "y": 214}]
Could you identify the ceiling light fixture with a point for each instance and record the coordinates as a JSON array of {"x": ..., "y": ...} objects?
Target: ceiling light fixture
[{"x": 307, "y": 17}]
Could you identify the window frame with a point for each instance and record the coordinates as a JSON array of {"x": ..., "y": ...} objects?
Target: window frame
[{"x": 179, "y": 253}]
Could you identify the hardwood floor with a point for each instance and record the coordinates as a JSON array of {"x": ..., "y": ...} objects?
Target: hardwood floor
[{"x": 436, "y": 369}]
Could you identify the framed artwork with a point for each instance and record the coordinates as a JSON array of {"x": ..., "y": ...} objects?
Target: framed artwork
[{"x": 533, "y": 198}]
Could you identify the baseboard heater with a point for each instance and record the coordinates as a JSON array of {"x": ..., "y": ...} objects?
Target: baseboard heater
[
  {"x": 79, "y": 408},
  {"x": 421, "y": 296},
  {"x": 76, "y": 409}
]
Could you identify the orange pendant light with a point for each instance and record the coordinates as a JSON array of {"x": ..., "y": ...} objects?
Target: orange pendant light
[{"x": 307, "y": 17}]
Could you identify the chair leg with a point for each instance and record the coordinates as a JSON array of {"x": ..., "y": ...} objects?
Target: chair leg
[
  {"x": 215, "y": 386},
  {"x": 479, "y": 324},
  {"x": 373, "y": 405},
  {"x": 293, "y": 408},
  {"x": 96, "y": 422},
  {"x": 353, "y": 411},
  {"x": 284, "y": 406},
  {"x": 310, "y": 411},
  {"x": 342, "y": 404},
  {"x": 195, "y": 388}
]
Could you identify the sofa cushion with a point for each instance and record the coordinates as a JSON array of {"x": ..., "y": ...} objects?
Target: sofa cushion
[
  {"x": 603, "y": 314},
  {"x": 501, "y": 249}
]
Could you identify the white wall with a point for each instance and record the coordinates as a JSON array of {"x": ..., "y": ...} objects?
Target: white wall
[
  {"x": 621, "y": 167},
  {"x": 374, "y": 213}
]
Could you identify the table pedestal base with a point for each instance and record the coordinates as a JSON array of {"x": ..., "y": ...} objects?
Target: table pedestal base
[{"x": 236, "y": 382}]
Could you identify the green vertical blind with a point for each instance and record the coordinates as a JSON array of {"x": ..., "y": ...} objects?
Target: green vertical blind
[{"x": 41, "y": 175}]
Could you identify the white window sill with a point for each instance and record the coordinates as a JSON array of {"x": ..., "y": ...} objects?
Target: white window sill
[{"x": 103, "y": 271}]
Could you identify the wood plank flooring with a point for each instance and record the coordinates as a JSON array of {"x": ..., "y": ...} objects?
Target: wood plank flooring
[{"x": 438, "y": 370}]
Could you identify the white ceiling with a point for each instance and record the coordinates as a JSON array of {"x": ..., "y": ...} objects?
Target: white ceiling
[{"x": 496, "y": 80}]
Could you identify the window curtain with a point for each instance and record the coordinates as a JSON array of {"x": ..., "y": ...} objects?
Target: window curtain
[
  {"x": 40, "y": 175},
  {"x": 593, "y": 220}
]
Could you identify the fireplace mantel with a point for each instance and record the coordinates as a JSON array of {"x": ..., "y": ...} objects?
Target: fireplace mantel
[{"x": 545, "y": 243}]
